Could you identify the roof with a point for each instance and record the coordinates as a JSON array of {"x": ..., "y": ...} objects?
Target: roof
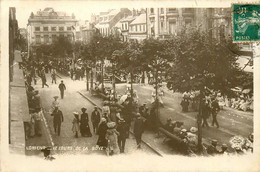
[
  {"x": 139, "y": 20},
  {"x": 128, "y": 19}
]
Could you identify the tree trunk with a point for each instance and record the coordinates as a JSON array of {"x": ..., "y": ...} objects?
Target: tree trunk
[
  {"x": 157, "y": 101},
  {"x": 87, "y": 79},
  {"x": 131, "y": 92},
  {"x": 102, "y": 75},
  {"x": 91, "y": 78},
  {"x": 199, "y": 120},
  {"x": 114, "y": 83}
]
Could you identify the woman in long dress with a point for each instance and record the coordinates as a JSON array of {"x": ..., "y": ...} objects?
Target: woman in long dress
[
  {"x": 84, "y": 125},
  {"x": 102, "y": 130}
]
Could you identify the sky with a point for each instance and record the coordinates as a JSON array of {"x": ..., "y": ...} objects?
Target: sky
[{"x": 83, "y": 9}]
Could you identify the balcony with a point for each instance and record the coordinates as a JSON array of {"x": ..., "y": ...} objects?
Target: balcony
[{"x": 188, "y": 12}]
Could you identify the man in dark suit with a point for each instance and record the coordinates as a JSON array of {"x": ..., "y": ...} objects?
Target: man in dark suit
[
  {"x": 95, "y": 118},
  {"x": 138, "y": 129},
  {"x": 215, "y": 110},
  {"x": 62, "y": 87},
  {"x": 122, "y": 129},
  {"x": 57, "y": 119}
]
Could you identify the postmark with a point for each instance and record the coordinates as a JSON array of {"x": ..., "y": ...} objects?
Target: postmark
[{"x": 246, "y": 22}]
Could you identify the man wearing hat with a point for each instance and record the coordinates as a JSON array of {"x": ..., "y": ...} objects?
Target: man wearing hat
[
  {"x": 215, "y": 110},
  {"x": 138, "y": 129},
  {"x": 212, "y": 149},
  {"x": 95, "y": 119},
  {"x": 55, "y": 102},
  {"x": 122, "y": 128},
  {"x": 62, "y": 88},
  {"x": 57, "y": 119}
]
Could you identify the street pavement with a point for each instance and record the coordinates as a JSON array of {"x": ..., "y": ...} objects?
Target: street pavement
[
  {"x": 66, "y": 143},
  {"x": 232, "y": 122}
]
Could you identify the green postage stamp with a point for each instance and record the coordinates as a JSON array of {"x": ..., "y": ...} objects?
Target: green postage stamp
[{"x": 246, "y": 22}]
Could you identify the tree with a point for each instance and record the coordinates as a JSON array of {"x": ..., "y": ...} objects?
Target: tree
[
  {"x": 61, "y": 47},
  {"x": 201, "y": 62},
  {"x": 156, "y": 59}
]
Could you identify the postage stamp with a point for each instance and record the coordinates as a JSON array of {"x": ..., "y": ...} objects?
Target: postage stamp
[{"x": 246, "y": 22}]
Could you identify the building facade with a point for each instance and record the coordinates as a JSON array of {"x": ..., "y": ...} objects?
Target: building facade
[
  {"x": 138, "y": 28},
  {"x": 107, "y": 20},
  {"x": 13, "y": 38},
  {"x": 164, "y": 23},
  {"x": 45, "y": 26}
]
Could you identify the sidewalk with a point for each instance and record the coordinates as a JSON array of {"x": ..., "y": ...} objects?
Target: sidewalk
[{"x": 19, "y": 114}]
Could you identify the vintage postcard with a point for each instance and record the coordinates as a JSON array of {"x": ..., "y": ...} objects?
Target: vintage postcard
[{"x": 130, "y": 85}]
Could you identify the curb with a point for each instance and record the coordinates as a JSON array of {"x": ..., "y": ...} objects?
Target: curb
[{"x": 147, "y": 144}]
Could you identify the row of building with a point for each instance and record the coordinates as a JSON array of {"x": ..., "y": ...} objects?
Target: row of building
[{"x": 162, "y": 23}]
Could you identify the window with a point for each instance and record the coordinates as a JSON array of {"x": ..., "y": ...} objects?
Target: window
[
  {"x": 46, "y": 39},
  {"x": 37, "y": 28},
  {"x": 162, "y": 24},
  {"x": 188, "y": 21},
  {"x": 45, "y": 28},
  {"x": 172, "y": 10},
  {"x": 101, "y": 18},
  {"x": 53, "y": 28},
  {"x": 136, "y": 28},
  {"x": 172, "y": 26},
  {"x": 61, "y": 28},
  {"x": 38, "y": 39},
  {"x": 162, "y": 10},
  {"x": 187, "y": 10},
  {"x": 69, "y": 28},
  {"x": 126, "y": 26},
  {"x": 152, "y": 10},
  {"x": 122, "y": 26},
  {"x": 140, "y": 27},
  {"x": 54, "y": 38},
  {"x": 144, "y": 28}
]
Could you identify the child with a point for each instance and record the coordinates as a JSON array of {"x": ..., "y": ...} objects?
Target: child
[{"x": 75, "y": 122}]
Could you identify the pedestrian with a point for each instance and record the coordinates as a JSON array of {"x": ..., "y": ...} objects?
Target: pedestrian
[
  {"x": 102, "y": 130},
  {"x": 57, "y": 119},
  {"x": 122, "y": 129},
  {"x": 138, "y": 129},
  {"x": 212, "y": 149},
  {"x": 75, "y": 124},
  {"x": 205, "y": 113},
  {"x": 37, "y": 121},
  {"x": 215, "y": 109},
  {"x": 111, "y": 136},
  {"x": 95, "y": 119},
  {"x": 53, "y": 75},
  {"x": 36, "y": 101},
  {"x": 84, "y": 125},
  {"x": 55, "y": 102},
  {"x": 62, "y": 88},
  {"x": 44, "y": 81},
  {"x": 105, "y": 109}
]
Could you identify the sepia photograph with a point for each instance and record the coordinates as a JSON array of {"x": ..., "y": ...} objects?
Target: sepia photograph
[{"x": 119, "y": 81}]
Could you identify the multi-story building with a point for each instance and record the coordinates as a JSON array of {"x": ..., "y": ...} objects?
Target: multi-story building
[
  {"x": 166, "y": 22},
  {"x": 138, "y": 28},
  {"x": 45, "y": 26},
  {"x": 125, "y": 22},
  {"x": 107, "y": 20},
  {"x": 13, "y": 37}
]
